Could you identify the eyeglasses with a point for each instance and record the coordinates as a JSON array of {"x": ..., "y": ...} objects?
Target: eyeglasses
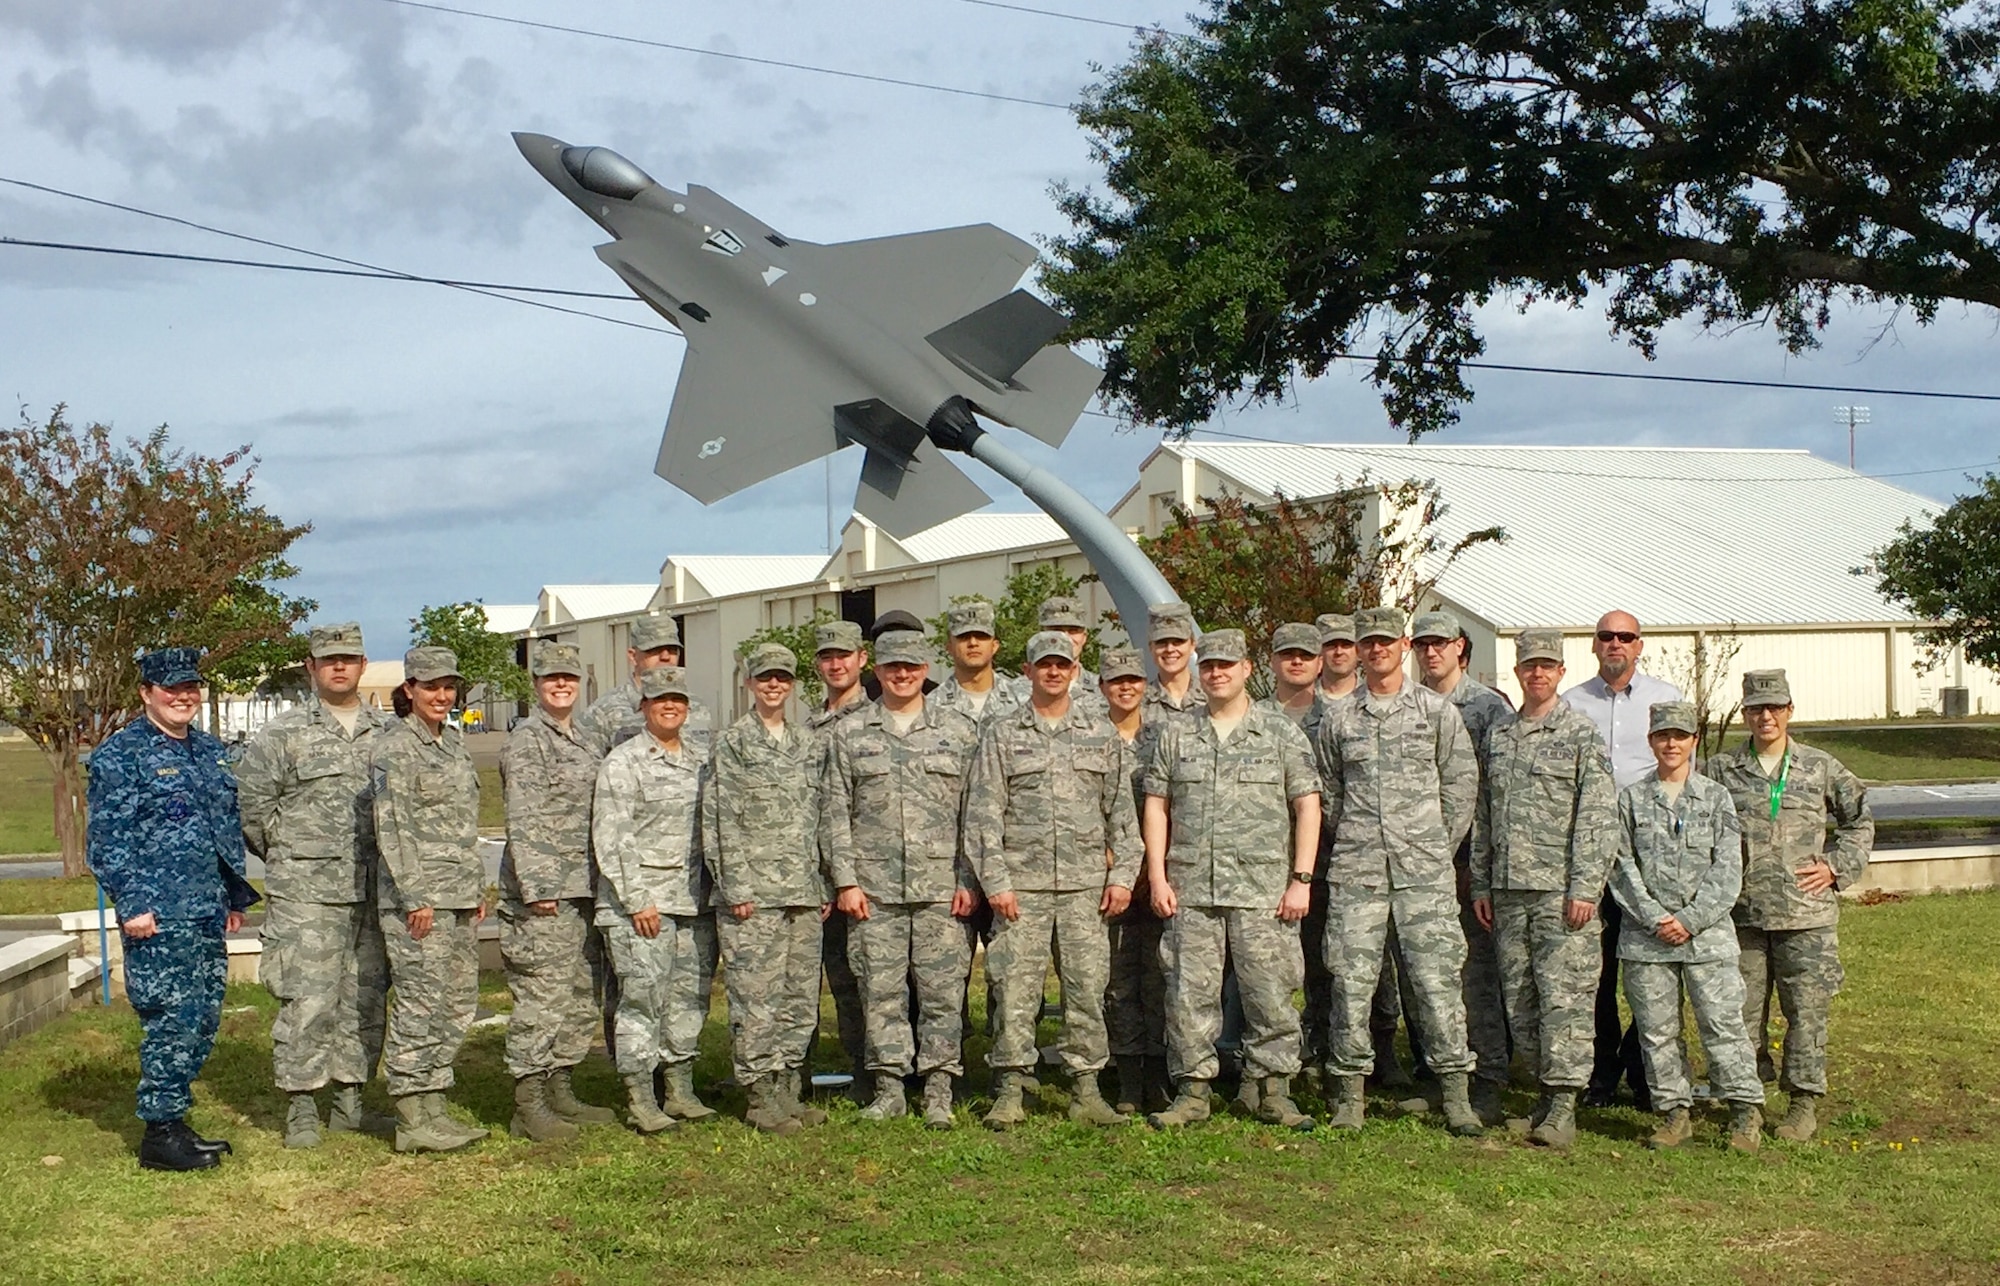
[{"x": 1623, "y": 636}]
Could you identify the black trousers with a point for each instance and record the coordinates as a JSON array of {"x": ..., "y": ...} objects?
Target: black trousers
[{"x": 1615, "y": 1050}]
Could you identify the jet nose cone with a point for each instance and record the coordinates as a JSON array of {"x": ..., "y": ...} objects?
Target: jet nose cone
[{"x": 536, "y": 146}]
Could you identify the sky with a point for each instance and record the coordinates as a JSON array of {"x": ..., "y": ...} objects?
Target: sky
[{"x": 446, "y": 446}]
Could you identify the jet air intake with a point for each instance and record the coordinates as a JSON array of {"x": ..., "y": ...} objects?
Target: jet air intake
[{"x": 603, "y": 171}]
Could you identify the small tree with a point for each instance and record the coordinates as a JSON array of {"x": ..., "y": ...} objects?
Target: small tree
[
  {"x": 802, "y": 639},
  {"x": 113, "y": 549},
  {"x": 250, "y": 638},
  {"x": 1948, "y": 573},
  {"x": 1253, "y": 566},
  {"x": 483, "y": 656},
  {"x": 1702, "y": 673},
  {"x": 1017, "y": 616}
]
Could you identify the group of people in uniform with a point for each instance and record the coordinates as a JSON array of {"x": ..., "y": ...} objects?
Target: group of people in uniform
[{"x": 1184, "y": 857}]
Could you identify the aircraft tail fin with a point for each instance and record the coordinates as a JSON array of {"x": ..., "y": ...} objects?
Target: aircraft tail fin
[
  {"x": 997, "y": 340},
  {"x": 905, "y": 498}
]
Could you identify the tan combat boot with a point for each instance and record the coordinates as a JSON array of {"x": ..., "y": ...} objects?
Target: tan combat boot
[
  {"x": 1676, "y": 1128},
  {"x": 1350, "y": 1103},
  {"x": 1007, "y": 1111},
  {"x": 792, "y": 1084},
  {"x": 1459, "y": 1117},
  {"x": 937, "y": 1101},
  {"x": 1087, "y": 1105},
  {"x": 351, "y": 1115},
  {"x": 565, "y": 1104},
  {"x": 440, "y": 1114},
  {"x": 643, "y": 1108},
  {"x": 302, "y": 1121},
  {"x": 1275, "y": 1106},
  {"x": 889, "y": 1101},
  {"x": 767, "y": 1107},
  {"x": 1190, "y": 1107},
  {"x": 680, "y": 1100},
  {"x": 534, "y": 1119},
  {"x": 1746, "y": 1127},
  {"x": 1557, "y": 1128},
  {"x": 417, "y": 1130},
  {"x": 1801, "y": 1121}
]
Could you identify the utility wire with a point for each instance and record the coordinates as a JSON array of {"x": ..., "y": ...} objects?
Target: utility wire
[
  {"x": 313, "y": 268},
  {"x": 1696, "y": 379},
  {"x": 316, "y": 254},
  {"x": 1071, "y": 17},
  {"x": 733, "y": 57}
]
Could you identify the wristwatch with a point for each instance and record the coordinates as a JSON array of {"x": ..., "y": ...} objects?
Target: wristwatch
[{"x": 1302, "y": 877}]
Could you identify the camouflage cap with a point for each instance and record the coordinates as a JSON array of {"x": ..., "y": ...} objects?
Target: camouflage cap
[
  {"x": 343, "y": 639},
  {"x": 557, "y": 658},
  {"x": 974, "y": 617},
  {"x": 1673, "y": 716},
  {"x": 902, "y": 647},
  {"x": 1048, "y": 643},
  {"x": 171, "y": 665},
  {"x": 768, "y": 658},
  {"x": 1380, "y": 623},
  {"x": 1120, "y": 663},
  {"x": 1335, "y": 627},
  {"x": 836, "y": 636},
  {"x": 651, "y": 631},
  {"x": 1062, "y": 613},
  {"x": 1293, "y": 636},
  {"x": 1223, "y": 645},
  {"x": 1436, "y": 625},
  {"x": 1538, "y": 645},
  {"x": 425, "y": 664},
  {"x": 1766, "y": 688},
  {"x": 663, "y": 681},
  {"x": 1169, "y": 621}
]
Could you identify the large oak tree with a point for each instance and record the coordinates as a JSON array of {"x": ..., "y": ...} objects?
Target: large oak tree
[{"x": 1298, "y": 181}]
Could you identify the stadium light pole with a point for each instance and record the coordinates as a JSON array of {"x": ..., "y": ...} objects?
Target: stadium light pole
[{"x": 1851, "y": 416}]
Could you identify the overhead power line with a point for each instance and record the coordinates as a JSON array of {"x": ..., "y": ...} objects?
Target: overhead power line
[
  {"x": 645, "y": 42},
  {"x": 1657, "y": 377},
  {"x": 1071, "y": 17}
]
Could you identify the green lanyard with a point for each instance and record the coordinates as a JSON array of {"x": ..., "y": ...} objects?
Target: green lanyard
[{"x": 1778, "y": 786}]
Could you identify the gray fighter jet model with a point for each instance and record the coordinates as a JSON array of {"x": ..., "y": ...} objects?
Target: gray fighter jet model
[{"x": 796, "y": 350}]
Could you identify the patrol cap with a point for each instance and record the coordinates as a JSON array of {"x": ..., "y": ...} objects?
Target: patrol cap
[
  {"x": 1169, "y": 621},
  {"x": 1048, "y": 643},
  {"x": 1062, "y": 613},
  {"x": 1380, "y": 623},
  {"x": 972, "y": 617},
  {"x": 1766, "y": 688},
  {"x": 1673, "y": 716},
  {"x": 836, "y": 636},
  {"x": 1538, "y": 645},
  {"x": 663, "y": 681},
  {"x": 902, "y": 647},
  {"x": 426, "y": 664},
  {"x": 557, "y": 658},
  {"x": 1335, "y": 627},
  {"x": 1222, "y": 645},
  {"x": 1120, "y": 663},
  {"x": 649, "y": 632},
  {"x": 343, "y": 639},
  {"x": 894, "y": 619},
  {"x": 1293, "y": 636},
  {"x": 171, "y": 665},
  {"x": 767, "y": 658},
  {"x": 1436, "y": 625}
]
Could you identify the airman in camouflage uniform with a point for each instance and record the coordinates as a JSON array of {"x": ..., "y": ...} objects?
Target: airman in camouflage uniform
[
  {"x": 1786, "y": 794},
  {"x": 1045, "y": 811},
  {"x": 653, "y": 903},
  {"x": 1231, "y": 829},
  {"x": 760, "y": 812},
  {"x": 303, "y": 791},
  {"x": 840, "y": 655},
  {"x": 653, "y": 640},
  {"x": 547, "y": 773},
  {"x": 1173, "y": 695},
  {"x": 1338, "y": 662},
  {"x": 1295, "y": 693},
  {"x": 1135, "y": 997},
  {"x": 166, "y": 846},
  {"x": 1064, "y": 614},
  {"x": 1541, "y": 852},
  {"x": 1680, "y": 868},
  {"x": 1401, "y": 782},
  {"x": 890, "y": 811},
  {"x": 430, "y": 889},
  {"x": 969, "y": 630}
]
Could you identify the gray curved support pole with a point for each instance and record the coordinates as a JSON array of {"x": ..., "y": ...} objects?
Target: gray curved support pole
[{"x": 1134, "y": 582}]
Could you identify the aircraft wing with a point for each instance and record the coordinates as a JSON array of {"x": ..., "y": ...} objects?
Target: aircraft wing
[{"x": 913, "y": 285}]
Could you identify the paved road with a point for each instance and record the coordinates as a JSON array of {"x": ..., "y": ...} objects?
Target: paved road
[{"x": 1978, "y": 799}]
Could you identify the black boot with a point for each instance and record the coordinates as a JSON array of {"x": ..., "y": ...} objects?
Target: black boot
[
  {"x": 170, "y": 1145},
  {"x": 218, "y": 1146}
]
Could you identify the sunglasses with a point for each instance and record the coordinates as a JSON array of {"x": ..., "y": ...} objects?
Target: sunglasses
[{"x": 1623, "y": 636}]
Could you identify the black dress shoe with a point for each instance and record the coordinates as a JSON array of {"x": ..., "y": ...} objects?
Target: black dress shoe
[
  {"x": 169, "y": 1145},
  {"x": 1600, "y": 1096},
  {"x": 218, "y": 1146}
]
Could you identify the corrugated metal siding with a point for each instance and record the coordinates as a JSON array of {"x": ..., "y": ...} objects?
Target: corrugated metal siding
[
  {"x": 972, "y": 535},
  {"x": 1674, "y": 535},
  {"x": 589, "y": 602},
  {"x": 725, "y": 574}
]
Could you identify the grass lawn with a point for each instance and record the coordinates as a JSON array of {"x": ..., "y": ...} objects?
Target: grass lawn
[
  {"x": 1889, "y": 753},
  {"x": 47, "y": 896},
  {"x": 1903, "y": 1187},
  {"x": 492, "y": 803},
  {"x": 27, "y": 813}
]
